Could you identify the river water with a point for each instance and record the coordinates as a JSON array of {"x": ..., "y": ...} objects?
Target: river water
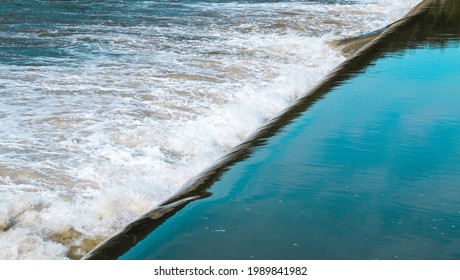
[{"x": 108, "y": 107}]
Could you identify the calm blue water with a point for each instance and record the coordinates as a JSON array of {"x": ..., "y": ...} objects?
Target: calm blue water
[
  {"x": 108, "y": 107},
  {"x": 371, "y": 171}
]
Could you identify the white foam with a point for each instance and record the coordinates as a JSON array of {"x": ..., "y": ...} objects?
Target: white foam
[{"x": 88, "y": 146}]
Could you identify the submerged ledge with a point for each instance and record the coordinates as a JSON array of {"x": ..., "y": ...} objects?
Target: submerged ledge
[
  {"x": 407, "y": 33},
  {"x": 351, "y": 46}
]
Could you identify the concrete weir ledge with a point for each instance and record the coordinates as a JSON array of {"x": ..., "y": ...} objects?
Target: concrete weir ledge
[{"x": 361, "y": 50}]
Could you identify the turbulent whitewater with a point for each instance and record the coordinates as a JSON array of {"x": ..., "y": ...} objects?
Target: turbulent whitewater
[{"x": 108, "y": 107}]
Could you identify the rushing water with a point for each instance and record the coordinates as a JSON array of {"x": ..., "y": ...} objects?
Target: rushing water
[
  {"x": 108, "y": 107},
  {"x": 366, "y": 167}
]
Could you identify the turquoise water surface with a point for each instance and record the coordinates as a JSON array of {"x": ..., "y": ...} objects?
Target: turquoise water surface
[{"x": 371, "y": 170}]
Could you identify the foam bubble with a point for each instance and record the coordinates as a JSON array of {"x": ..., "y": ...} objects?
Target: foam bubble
[{"x": 28, "y": 245}]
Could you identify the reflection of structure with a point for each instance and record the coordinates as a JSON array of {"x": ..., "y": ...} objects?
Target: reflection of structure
[
  {"x": 433, "y": 23},
  {"x": 421, "y": 25}
]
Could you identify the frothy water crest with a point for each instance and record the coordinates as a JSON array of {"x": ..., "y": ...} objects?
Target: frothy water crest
[{"x": 108, "y": 108}]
